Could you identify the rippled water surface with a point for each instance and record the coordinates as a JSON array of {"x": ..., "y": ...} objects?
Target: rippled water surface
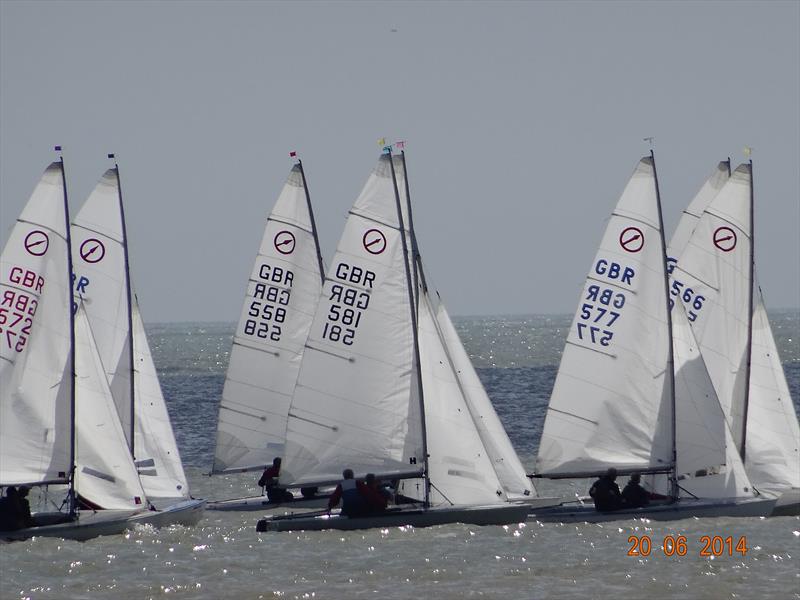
[{"x": 224, "y": 557}]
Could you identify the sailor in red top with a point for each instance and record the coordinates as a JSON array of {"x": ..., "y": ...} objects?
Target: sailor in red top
[{"x": 269, "y": 481}]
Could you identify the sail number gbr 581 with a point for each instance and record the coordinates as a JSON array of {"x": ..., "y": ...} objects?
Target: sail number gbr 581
[
  {"x": 602, "y": 305},
  {"x": 348, "y": 301}
]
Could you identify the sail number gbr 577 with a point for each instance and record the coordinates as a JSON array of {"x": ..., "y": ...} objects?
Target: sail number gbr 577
[{"x": 603, "y": 304}]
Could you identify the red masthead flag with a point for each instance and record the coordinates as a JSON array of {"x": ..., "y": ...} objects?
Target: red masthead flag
[{"x": 292, "y": 154}]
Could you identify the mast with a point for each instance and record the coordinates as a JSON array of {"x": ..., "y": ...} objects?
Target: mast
[
  {"x": 415, "y": 334},
  {"x": 670, "y": 356},
  {"x": 313, "y": 223},
  {"x": 129, "y": 296},
  {"x": 417, "y": 263},
  {"x": 71, "y": 497},
  {"x": 749, "y": 347}
]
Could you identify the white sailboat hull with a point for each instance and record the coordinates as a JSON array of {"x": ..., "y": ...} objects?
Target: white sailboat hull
[
  {"x": 492, "y": 514},
  {"x": 262, "y": 503},
  {"x": 788, "y": 504},
  {"x": 91, "y": 524},
  {"x": 574, "y": 512}
]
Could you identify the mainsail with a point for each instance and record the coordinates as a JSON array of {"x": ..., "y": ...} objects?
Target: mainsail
[
  {"x": 772, "y": 448},
  {"x": 35, "y": 330},
  {"x": 355, "y": 405},
  {"x": 612, "y": 403},
  {"x": 281, "y": 298},
  {"x": 718, "y": 257},
  {"x": 102, "y": 281}
]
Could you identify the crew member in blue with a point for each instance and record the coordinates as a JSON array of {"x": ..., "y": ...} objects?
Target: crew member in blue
[{"x": 352, "y": 493}]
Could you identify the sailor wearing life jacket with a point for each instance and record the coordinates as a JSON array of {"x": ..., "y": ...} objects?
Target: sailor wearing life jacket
[{"x": 350, "y": 492}]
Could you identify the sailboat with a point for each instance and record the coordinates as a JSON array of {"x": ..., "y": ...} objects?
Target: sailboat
[
  {"x": 632, "y": 391},
  {"x": 103, "y": 285},
  {"x": 58, "y": 423},
  {"x": 713, "y": 275},
  {"x": 377, "y": 391},
  {"x": 281, "y": 297}
]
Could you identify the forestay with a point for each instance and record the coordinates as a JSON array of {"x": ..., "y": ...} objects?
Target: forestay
[
  {"x": 280, "y": 302},
  {"x": 611, "y": 403},
  {"x": 102, "y": 283},
  {"x": 354, "y": 404},
  {"x": 35, "y": 372},
  {"x": 713, "y": 280},
  {"x": 105, "y": 472}
]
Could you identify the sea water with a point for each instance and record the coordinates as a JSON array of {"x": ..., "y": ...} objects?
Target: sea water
[{"x": 517, "y": 359}]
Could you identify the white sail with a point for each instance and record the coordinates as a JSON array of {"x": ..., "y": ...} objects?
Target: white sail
[
  {"x": 106, "y": 475},
  {"x": 691, "y": 215},
  {"x": 35, "y": 371},
  {"x": 353, "y": 405},
  {"x": 505, "y": 462},
  {"x": 708, "y": 464},
  {"x": 98, "y": 256},
  {"x": 712, "y": 279},
  {"x": 157, "y": 458},
  {"x": 459, "y": 467},
  {"x": 773, "y": 436},
  {"x": 611, "y": 403},
  {"x": 280, "y": 302},
  {"x": 101, "y": 282},
  {"x": 772, "y": 455}
]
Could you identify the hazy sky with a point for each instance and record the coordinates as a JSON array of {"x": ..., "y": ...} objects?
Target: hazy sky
[{"x": 523, "y": 123}]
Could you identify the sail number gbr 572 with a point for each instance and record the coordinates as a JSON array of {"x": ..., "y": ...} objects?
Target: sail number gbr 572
[{"x": 601, "y": 304}]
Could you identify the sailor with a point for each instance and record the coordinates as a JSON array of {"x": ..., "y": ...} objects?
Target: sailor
[
  {"x": 634, "y": 495},
  {"x": 269, "y": 481},
  {"x": 15, "y": 510},
  {"x": 352, "y": 493},
  {"x": 377, "y": 497},
  {"x": 605, "y": 492}
]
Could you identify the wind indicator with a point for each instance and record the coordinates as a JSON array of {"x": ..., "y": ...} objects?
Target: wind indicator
[
  {"x": 649, "y": 140},
  {"x": 57, "y": 148},
  {"x": 748, "y": 151},
  {"x": 111, "y": 155},
  {"x": 400, "y": 145}
]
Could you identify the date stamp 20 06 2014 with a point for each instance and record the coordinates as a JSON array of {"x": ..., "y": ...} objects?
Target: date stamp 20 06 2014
[{"x": 679, "y": 545}]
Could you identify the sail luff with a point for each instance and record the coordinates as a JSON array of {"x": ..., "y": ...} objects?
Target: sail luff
[
  {"x": 130, "y": 435},
  {"x": 313, "y": 222},
  {"x": 671, "y": 351},
  {"x": 70, "y": 271},
  {"x": 749, "y": 345},
  {"x": 413, "y": 299}
]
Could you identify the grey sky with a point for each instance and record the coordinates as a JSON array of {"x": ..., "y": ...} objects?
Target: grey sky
[{"x": 523, "y": 123}]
